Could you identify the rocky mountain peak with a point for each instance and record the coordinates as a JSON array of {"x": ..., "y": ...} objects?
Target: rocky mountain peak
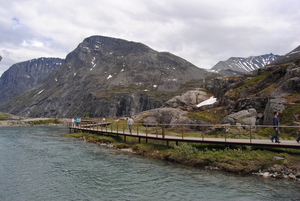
[
  {"x": 110, "y": 77},
  {"x": 290, "y": 57},
  {"x": 23, "y": 76},
  {"x": 239, "y": 65}
]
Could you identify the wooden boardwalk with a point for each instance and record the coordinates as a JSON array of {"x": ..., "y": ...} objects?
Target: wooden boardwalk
[{"x": 159, "y": 135}]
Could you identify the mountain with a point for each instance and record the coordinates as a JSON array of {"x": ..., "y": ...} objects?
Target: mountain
[
  {"x": 241, "y": 101},
  {"x": 291, "y": 57},
  {"x": 239, "y": 65},
  {"x": 23, "y": 76},
  {"x": 108, "y": 77}
]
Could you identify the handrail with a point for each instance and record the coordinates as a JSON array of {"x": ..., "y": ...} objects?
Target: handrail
[{"x": 225, "y": 133}]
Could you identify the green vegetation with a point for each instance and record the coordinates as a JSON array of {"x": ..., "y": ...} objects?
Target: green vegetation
[
  {"x": 288, "y": 115},
  {"x": 211, "y": 116},
  {"x": 44, "y": 121},
  {"x": 235, "y": 159},
  {"x": 3, "y": 116},
  {"x": 93, "y": 138}
]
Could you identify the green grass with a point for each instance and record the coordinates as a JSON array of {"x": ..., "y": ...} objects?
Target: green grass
[
  {"x": 3, "y": 117},
  {"x": 235, "y": 159},
  {"x": 45, "y": 121}
]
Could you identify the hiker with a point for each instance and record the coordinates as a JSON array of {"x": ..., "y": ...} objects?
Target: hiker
[
  {"x": 276, "y": 128},
  {"x": 130, "y": 124}
]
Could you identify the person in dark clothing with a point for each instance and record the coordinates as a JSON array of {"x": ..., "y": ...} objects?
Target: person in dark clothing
[
  {"x": 276, "y": 128},
  {"x": 298, "y": 139}
]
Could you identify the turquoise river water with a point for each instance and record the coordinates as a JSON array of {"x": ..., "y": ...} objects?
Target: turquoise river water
[{"x": 38, "y": 163}]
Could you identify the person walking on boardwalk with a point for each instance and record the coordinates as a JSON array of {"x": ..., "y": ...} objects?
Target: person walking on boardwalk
[
  {"x": 276, "y": 128},
  {"x": 298, "y": 132},
  {"x": 73, "y": 122},
  {"x": 77, "y": 122},
  {"x": 130, "y": 124},
  {"x": 298, "y": 139}
]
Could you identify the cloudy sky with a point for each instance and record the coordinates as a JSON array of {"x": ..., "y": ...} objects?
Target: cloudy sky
[{"x": 203, "y": 32}]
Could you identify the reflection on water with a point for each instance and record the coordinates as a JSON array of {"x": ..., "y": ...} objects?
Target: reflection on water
[{"x": 37, "y": 163}]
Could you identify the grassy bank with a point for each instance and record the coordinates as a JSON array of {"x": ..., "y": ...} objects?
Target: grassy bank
[{"x": 235, "y": 159}]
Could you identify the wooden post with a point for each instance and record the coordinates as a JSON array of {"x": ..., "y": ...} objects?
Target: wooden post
[
  {"x": 250, "y": 134},
  {"x": 202, "y": 132},
  {"x": 182, "y": 130},
  {"x": 225, "y": 133}
]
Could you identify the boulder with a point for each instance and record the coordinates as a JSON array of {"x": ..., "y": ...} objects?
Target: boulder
[
  {"x": 273, "y": 105},
  {"x": 188, "y": 99},
  {"x": 169, "y": 116},
  {"x": 244, "y": 117}
]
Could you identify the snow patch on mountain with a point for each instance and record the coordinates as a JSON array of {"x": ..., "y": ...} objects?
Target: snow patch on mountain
[{"x": 239, "y": 65}]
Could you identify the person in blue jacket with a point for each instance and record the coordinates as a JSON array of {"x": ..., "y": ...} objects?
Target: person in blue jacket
[{"x": 276, "y": 128}]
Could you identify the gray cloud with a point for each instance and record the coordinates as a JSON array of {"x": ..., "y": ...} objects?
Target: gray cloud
[{"x": 202, "y": 32}]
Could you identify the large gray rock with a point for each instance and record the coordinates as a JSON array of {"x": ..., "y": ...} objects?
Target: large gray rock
[
  {"x": 244, "y": 117},
  {"x": 170, "y": 116},
  {"x": 274, "y": 105},
  {"x": 188, "y": 100}
]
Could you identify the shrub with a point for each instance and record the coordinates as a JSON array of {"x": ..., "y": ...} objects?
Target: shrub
[{"x": 184, "y": 152}]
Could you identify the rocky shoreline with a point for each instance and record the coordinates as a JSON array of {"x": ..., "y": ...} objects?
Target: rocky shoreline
[
  {"x": 276, "y": 171},
  {"x": 19, "y": 122}
]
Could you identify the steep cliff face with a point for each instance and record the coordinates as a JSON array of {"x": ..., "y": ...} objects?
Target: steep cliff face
[
  {"x": 23, "y": 76},
  {"x": 108, "y": 77}
]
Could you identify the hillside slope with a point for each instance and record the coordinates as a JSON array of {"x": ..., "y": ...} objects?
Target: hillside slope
[{"x": 108, "y": 77}]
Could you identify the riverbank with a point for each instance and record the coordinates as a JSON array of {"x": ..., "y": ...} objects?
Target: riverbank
[
  {"x": 267, "y": 163},
  {"x": 19, "y": 122}
]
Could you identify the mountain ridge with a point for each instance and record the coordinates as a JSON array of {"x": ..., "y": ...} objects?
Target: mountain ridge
[
  {"x": 239, "y": 65},
  {"x": 108, "y": 77},
  {"x": 22, "y": 76}
]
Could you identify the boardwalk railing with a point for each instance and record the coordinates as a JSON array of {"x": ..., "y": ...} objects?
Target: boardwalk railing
[{"x": 216, "y": 133}]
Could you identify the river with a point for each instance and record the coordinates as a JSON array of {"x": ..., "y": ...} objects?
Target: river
[{"x": 38, "y": 163}]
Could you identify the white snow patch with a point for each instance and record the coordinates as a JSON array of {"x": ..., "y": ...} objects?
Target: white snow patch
[
  {"x": 74, "y": 74},
  {"x": 41, "y": 91},
  {"x": 154, "y": 85},
  {"x": 209, "y": 101},
  {"x": 56, "y": 79},
  {"x": 122, "y": 70},
  {"x": 109, "y": 77}
]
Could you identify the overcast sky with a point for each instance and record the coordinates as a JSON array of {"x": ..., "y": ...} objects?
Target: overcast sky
[{"x": 203, "y": 32}]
